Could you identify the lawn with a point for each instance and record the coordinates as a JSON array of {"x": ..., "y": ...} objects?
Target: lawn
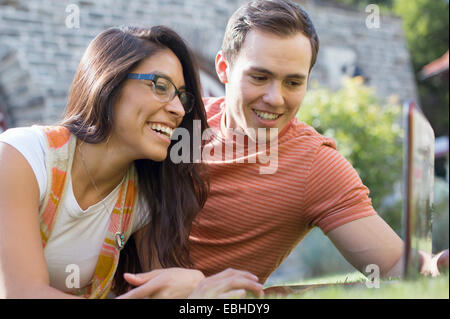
[{"x": 422, "y": 288}]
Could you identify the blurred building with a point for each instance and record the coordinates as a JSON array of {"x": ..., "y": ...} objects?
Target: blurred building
[{"x": 41, "y": 43}]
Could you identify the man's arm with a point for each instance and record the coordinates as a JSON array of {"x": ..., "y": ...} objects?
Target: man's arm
[{"x": 370, "y": 240}]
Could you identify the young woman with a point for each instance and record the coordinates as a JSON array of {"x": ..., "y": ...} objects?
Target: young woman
[{"x": 72, "y": 195}]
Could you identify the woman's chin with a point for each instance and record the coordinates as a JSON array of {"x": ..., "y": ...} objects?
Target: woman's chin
[
  {"x": 155, "y": 155},
  {"x": 159, "y": 157}
]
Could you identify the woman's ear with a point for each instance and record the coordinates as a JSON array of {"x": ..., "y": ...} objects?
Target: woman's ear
[{"x": 222, "y": 67}]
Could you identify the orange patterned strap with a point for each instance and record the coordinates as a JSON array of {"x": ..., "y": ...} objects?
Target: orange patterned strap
[
  {"x": 109, "y": 255},
  {"x": 59, "y": 156},
  {"x": 59, "y": 153}
]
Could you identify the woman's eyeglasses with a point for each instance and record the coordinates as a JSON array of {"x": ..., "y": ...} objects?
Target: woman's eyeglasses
[{"x": 164, "y": 90}]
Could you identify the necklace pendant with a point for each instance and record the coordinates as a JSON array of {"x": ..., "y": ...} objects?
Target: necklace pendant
[{"x": 120, "y": 240}]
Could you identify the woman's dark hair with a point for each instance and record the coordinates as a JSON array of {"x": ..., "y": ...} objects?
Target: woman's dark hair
[{"x": 173, "y": 193}]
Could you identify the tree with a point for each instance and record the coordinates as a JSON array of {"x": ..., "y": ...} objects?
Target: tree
[{"x": 426, "y": 28}]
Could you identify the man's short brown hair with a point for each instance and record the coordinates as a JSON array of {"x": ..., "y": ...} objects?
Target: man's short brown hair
[{"x": 280, "y": 17}]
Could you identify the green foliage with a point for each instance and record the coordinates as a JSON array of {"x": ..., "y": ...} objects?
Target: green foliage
[
  {"x": 367, "y": 134},
  {"x": 434, "y": 99},
  {"x": 426, "y": 28}
]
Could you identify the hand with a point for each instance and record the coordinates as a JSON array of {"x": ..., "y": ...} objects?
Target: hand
[
  {"x": 169, "y": 283},
  {"x": 442, "y": 260},
  {"x": 433, "y": 264},
  {"x": 227, "y": 284}
]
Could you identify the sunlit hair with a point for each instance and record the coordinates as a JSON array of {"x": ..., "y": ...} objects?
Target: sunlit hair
[
  {"x": 279, "y": 17},
  {"x": 172, "y": 193}
]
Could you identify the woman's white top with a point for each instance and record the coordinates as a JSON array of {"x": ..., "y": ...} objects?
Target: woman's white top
[{"x": 74, "y": 246}]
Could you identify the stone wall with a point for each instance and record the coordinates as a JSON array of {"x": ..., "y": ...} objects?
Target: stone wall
[
  {"x": 41, "y": 45},
  {"x": 380, "y": 54},
  {"x": 39, "y": 53}
]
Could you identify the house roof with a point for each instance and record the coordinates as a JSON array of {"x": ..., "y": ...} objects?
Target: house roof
[{"x": 435, "y": 67}]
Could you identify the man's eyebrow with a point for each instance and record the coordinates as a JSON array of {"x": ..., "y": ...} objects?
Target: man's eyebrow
[{"x": 299, "y": 76}]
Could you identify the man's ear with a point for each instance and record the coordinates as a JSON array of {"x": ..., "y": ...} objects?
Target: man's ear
[{"x": 222, "y": 67}]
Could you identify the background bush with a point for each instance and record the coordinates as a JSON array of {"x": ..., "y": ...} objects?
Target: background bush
[{"x": 368, "y": 134}]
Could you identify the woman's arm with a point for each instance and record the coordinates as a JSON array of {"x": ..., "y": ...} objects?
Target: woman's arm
[
  {"x": 186, "y": 283},
  {"x": 23, "y": 270},
  {"x": 158, "y": 283},
  {"x": 172, "y": 283}
]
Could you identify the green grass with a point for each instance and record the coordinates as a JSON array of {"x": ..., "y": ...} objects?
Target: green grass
[
  {"x": 422, "y": 288},
  {"x": 338, "y": 278}
]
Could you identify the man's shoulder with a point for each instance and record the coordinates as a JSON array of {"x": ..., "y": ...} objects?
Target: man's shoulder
[
  {"x": 213, "y": 105},
  {"x": 299, "y": 130}
]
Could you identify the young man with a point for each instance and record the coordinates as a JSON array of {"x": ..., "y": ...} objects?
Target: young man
[{"x": 252, "y": 221}]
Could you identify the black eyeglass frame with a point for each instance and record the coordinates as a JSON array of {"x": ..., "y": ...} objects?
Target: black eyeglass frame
[{"x": 154, "y": 78}]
